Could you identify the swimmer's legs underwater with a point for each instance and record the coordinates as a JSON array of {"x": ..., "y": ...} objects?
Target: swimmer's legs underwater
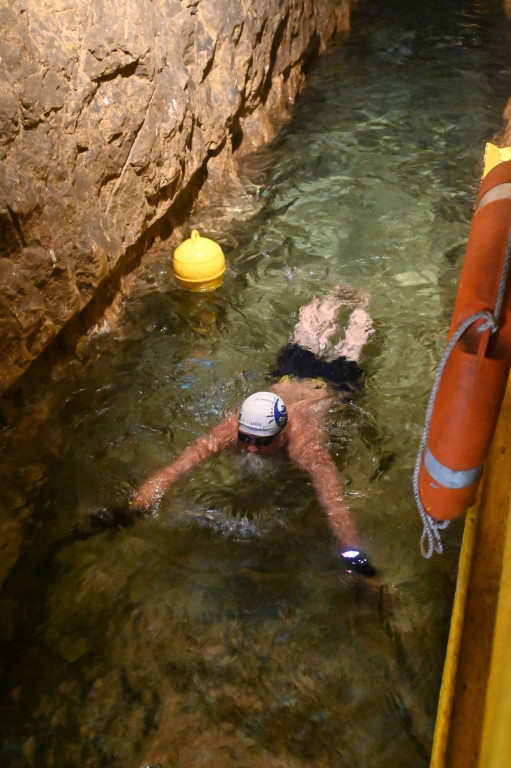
[
  {"x": 314, "y": 353},
  {"x": 317, "y": 323}
]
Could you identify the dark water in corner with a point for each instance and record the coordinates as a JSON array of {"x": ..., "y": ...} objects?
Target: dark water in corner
[{"x": 220, "y": 632}]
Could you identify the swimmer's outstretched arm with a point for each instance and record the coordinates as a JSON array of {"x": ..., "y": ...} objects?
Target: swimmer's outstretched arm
[
  {"x": 222, "y": 436},
  {"x": 308, "y": 451}
]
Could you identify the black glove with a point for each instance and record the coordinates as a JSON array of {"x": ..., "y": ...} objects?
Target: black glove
[{"x": 356, "y": 560}]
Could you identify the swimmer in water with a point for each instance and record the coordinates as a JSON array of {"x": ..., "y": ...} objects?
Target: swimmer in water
[{"x": 292, "y": 414}]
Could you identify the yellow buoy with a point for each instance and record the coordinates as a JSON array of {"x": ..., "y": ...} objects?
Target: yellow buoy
[{"x": 199, "y": 263}]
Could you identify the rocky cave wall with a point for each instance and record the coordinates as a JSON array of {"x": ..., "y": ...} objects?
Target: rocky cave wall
[{"x": 112, "y": 110}]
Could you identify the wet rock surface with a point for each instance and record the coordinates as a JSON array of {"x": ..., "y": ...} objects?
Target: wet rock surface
[{"x": 108, "y": 113}]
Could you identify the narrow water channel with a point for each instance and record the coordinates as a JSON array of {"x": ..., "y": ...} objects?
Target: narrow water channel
[{"x": 220, "y": 631}]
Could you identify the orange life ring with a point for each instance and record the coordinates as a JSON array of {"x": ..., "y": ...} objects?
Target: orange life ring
[{"x": 471, "y": 387}]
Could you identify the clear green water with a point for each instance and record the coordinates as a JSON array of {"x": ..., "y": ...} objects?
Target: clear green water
[{"x": 220, "y": 632}]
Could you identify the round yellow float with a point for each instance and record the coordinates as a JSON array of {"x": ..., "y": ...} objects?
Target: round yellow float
[{"x": 199, "y": 263}]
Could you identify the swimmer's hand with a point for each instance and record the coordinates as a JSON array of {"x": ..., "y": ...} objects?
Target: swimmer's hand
[
  {"x": 357, "y": 561},
  {"x": 150, "y": 492}
]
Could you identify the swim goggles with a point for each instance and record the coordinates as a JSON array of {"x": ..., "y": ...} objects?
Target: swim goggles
[{"x": 260, "y": 442}]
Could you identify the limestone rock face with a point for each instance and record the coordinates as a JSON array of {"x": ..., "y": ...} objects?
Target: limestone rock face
[{"x": 108, "y": 110}]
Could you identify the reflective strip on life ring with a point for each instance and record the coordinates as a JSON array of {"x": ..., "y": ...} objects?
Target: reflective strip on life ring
[{"x": 450, "y": 478}]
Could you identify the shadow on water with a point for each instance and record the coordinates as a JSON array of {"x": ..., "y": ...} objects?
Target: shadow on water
[{"x": 220, "y": 630}]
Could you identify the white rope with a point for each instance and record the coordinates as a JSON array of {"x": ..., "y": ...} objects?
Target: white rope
[{"x": 431, "y": 540}]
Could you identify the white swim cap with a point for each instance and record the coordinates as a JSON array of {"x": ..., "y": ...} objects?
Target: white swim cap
[{"x": 262, "y": 415}]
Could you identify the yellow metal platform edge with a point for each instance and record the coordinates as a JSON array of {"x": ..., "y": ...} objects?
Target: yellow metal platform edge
[
  {"x": 474, "y": 711},
  {"x": 496, "y": 738},
  {"x": 446, "y": 700}
]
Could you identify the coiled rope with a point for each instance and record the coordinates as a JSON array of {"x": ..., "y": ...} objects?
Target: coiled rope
[{"x": 431, "y": 540}]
